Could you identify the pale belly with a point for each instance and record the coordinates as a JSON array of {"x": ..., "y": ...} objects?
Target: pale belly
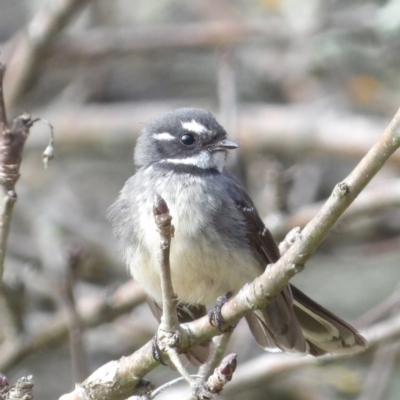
[
  {"x": 201, "y": 270},
  {"x": 203, "y": 266},
  {"x": 198, "y": 277}
]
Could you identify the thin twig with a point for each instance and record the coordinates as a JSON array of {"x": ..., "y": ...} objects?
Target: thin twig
[
  {"x": 382, "y": 365},
  {"x": 174, "y": 358},
  {"x": 387, "y": 306},
  {"x": 48, "y": 153},
  {"x": 168, "y": 331},
  {"x": 263, "y": 289},
  {"x": 169, "y": 319},
  {"x": 219, "y": 348},
  {"x": 160, "y": 389},
  {"x": 381, "y": 368},
  {"x": 12, "y": 140},
  {"x": 374, "y": 199},
  {"x": 222, "y": 374},
  {"x": 3, "y": 114},
  {"x": 72, "y": 260},
  {"x": 10, "y": 322},
  {"x": 378, "y": 312}
]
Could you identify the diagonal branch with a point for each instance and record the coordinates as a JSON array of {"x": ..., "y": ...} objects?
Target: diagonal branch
[
  {"x": 93, "y": 311},
  {"x": 117, "y": 379}
]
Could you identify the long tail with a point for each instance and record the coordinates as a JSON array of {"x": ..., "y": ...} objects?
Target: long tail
[{"x": 295, "y": 323}]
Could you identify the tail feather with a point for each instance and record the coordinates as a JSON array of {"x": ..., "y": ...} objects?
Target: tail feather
[
  {"x": 280, "y": 323},
  {"x": 269, "y": 341},
  {"x": 303, "y": 327},
  {"x": 324, "y": 329}
]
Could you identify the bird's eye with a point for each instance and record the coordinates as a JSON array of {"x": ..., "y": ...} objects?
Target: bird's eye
[{"x": 187, "y": 139}]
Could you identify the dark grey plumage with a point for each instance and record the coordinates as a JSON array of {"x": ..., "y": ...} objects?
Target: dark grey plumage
[{"x": 220, "y": 241}]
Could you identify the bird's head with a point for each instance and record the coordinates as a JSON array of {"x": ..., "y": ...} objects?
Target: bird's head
[{"x": 186, "y": 136}]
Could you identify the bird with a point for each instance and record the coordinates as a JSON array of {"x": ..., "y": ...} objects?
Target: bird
[{"x": 220, "y": 242}]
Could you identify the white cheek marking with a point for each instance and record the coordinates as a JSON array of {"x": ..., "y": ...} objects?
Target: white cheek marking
[
  {"x": 163, "y": 136},
  {"x": 194, "y": 126},
  {"x": 203, "y": 160}
]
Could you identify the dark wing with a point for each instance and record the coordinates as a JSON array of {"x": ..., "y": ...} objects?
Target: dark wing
[
  {"x": 292, "y": 322},
  {"x": 197, "y": 355},
  {"x": 276, "y": 326}
]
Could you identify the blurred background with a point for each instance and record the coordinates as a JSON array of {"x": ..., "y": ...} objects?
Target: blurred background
[{"x": 305, "y": 87}]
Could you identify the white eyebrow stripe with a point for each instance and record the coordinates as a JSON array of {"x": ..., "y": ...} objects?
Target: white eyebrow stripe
[
  {"x": 163, "y": 136},
  {"x": 194, "y": 126}
]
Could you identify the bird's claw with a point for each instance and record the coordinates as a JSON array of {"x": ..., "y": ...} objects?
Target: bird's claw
[{"x": 215, "y": 317}]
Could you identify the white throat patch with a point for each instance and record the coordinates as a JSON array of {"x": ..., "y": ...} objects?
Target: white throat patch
[{"x": 203, "y": 160}]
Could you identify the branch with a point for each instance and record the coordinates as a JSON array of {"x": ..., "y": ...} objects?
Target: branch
[
  {"x": 379, "y": 311},
  {"x": 169, "y": 319},
  {"x": 377, "y": 379},
  {"x": 216, "y": 382},
  {"x": 92, "y": 312},
  {"x": 101, "y": 42},
  {"x": 12, "y": 140},
  {"x": 222, "y": 374},
  {"x": 376, "y": 198},
  {"x": 268, "y": 366},
  {"x": 22, "y": 390},
  {"x": 72, "y": 259},
  {"x": 31, "y": 43},
  {"x": 3, "y": 114},
  {"x": 220, "y": 345},
  {"x": 168, "y": 334},
  {"x": 117, "y": 379},
  {"x": 280, "y": 128}
]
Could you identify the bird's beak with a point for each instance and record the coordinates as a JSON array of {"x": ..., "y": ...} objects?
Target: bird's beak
[{"x": 226, "y": 144}]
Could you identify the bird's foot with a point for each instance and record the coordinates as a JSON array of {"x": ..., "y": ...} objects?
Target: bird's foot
[
  {"x": 156, "y": 351},
  {"x": 215, "y": 316}
]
